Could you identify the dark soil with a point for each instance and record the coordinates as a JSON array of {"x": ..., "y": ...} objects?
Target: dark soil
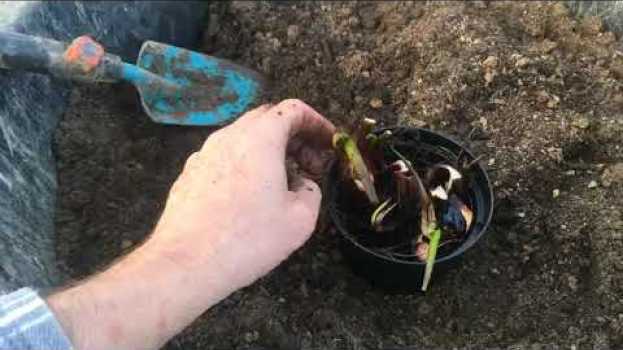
[{"x": 535, "y": 92}]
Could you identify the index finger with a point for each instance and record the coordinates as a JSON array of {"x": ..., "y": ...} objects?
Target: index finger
[{"x": 297, "y": 119}]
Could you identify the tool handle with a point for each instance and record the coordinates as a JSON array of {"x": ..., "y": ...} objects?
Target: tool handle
[
  {"x": 25, "y": 52},
  {"x": 83, "y": 59}
]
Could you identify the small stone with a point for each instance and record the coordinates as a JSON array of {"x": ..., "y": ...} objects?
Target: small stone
[
  {"x": 555, "y": 193},
  {"x": 417, "y": 123},
  {"x": 555, "y": 153},
  {"x": 522, "y": 62},
  {"x": 491, "y": 162},
  {"x": 346, "y": 11},
  {"x": 483, "y": 122},
  {"x": 581, "y": 123},
  {"x": 276, "y": 43},
  {"x": 553, "y": 101},
  {"x": 521, "y": 214},
  {"x": 612, "y": 175},
  {"x": 573, "y": 283},
  {"x": 542, "y": 96},
  {"x": 570, "y": 172},
  {"x": 545, "y": 46},
  {"x": 591, "y": 25},
  {"x": 593, "y": 184},
  {"x": 495, "y": 271},
  {"x": 281, "y": 300},
  {"x": 376, "y": 103},
  {"x": 489, "y": 65},
  {"x": 293, "y": 32},
  {"x": 126, "y": 243},
  {"x": 353, "y": 22},
  {"x": 490, "y": 62}
]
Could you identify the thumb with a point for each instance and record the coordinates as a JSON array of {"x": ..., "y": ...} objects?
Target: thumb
[{"x": 305, "y": 205}]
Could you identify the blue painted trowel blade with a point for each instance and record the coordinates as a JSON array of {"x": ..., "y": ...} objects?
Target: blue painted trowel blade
[{"x": 209, "y": 90}]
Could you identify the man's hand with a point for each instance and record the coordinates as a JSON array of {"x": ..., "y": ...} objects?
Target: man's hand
[
  {"x": 229, "y": 219},
  {"x": 231, "y": 205}
]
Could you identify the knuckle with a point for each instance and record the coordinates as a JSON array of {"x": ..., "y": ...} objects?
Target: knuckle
[
  {"x": 192, "y": 160},
  {"x": 314, "y": 187},
  {"x": 214, "y": 138},
  {"x": 176, "y": 188},
  {"x": 309, "y": 224},
  {"x": 292, "y": 102}
]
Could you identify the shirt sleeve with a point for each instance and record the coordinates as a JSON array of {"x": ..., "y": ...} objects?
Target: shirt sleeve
[{"x": 26, "y": 323}]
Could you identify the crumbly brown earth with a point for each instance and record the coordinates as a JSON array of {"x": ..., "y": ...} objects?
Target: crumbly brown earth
[{"x": 537, "y": 93}]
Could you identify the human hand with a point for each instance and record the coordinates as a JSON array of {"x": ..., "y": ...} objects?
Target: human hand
[{"x": 231, "y": 207}]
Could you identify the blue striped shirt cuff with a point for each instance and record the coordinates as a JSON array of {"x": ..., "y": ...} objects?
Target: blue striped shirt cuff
[{"x": 26, "y": 323}]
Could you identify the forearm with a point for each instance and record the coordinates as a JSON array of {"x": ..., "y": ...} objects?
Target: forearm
[
  {"x": 229, "y": 219},
  {"x": 138, "y": 303}
]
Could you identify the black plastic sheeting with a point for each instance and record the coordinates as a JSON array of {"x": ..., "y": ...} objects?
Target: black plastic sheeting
[
  {"x": 31, "y": 105},
  {"x": 611, "y": 12}
]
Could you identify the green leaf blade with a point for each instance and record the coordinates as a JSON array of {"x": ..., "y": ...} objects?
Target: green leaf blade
[
  {"x": 359, "y": 171},
  {"x": 435, "y": 237}
]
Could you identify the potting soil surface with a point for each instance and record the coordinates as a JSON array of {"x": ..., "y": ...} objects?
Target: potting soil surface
[{"x": 536, "y": 92}]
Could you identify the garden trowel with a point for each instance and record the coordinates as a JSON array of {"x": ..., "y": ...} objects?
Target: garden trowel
[{"x": 176, "y": 86}]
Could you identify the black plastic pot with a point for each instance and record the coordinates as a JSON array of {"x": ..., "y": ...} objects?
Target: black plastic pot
[{"x": 399, "y": 273}]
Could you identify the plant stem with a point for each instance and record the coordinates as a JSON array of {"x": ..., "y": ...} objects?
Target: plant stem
[
  {"x": 435, "y": 237},
  {"x": 359, "y": 172},
  {"x": 401, "y": 156}
]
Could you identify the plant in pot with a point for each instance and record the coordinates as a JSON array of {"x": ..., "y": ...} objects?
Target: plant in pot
[{"x": 405, "y": 200}]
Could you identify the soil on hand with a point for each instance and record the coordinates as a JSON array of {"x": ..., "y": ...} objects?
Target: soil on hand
[{"x": 534, "y": 91}]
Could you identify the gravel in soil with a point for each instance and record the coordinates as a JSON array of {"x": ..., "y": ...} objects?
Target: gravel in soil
[{"x": 537, "y": 93}]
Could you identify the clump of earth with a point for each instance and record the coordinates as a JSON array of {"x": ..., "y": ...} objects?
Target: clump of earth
[{"x": 534, "y": 91}]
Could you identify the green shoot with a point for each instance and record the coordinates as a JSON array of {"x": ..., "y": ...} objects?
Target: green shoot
[
  {"x": 412, "y": 193},
  {"x": 427, "y": 210},
  {"x": 435, "y": 236},
  {"x": 357, "y": 168},
  {"x": 376, "y": 219},
  {"x": 428, "y": 221}
]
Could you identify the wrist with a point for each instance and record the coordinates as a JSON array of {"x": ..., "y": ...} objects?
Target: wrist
[{"x": 139, "y": 302}]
